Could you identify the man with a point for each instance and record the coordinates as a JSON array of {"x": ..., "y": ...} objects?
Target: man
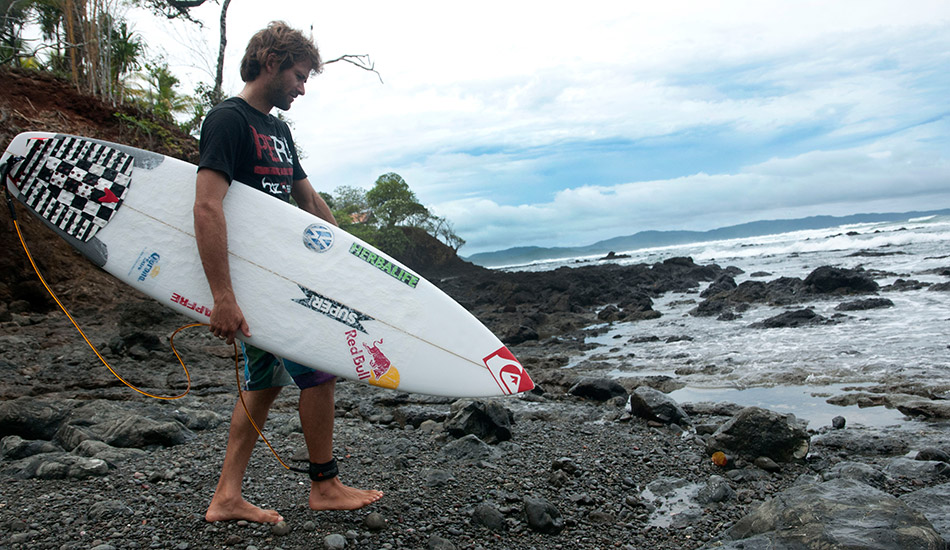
[{"x": 241, "y": 141}]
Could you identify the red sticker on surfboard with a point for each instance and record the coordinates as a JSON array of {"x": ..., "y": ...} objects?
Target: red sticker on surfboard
[{"x": 508, "y": 372}]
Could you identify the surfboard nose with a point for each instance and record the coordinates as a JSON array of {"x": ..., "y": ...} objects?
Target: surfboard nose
[
  {"x": 508, "y": 372},
  {"x": 527, "y": 384}
]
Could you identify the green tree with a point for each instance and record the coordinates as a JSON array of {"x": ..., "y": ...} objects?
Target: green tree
[
  {"x": 350, "y": 204},
  {"x": 14, "y": 16},
  {"x": 393, "y": 203},
  {"x": 442, "y": 229},
  {"x": 161, "y": 96},
  {"x": 377, "y": 215},
  {"x": 126, "y": 49}
]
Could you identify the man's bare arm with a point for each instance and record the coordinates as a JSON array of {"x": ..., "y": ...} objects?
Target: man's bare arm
[
  {"x": 211, "y": 234},
  {"x": 311, "y": 201}
]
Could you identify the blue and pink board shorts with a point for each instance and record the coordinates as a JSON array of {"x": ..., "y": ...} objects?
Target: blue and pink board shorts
[{"x": 263, "y": 370}]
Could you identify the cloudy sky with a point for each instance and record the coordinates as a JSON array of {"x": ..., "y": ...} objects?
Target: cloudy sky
[{"x": 558, "y": 124}]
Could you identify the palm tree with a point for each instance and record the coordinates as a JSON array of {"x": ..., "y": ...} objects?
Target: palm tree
[
  {"x": 126, "y": 48},
  {"x": 161, "y": 96}
]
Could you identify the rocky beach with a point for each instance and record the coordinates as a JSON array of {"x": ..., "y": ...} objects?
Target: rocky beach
[
  {"x": 585, "y": 461},
  {"x": 599, "y": 456}
]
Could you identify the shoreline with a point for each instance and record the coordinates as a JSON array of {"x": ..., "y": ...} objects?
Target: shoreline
[{"x": 88, "y": 464}]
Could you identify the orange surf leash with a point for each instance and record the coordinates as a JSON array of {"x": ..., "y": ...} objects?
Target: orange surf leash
[{"x": 237, "y": 372}]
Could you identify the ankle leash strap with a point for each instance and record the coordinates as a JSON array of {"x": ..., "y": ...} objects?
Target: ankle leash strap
[{"x": 323, "y": 472}]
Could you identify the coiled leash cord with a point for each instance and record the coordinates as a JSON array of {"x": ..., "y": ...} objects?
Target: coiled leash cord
[{"x": 323, "y": 471}]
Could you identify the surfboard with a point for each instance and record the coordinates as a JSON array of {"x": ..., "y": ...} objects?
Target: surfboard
[{"x": 311, "y": 292}]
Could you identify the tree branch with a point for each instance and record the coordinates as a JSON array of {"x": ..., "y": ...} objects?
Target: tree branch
[{"x": 362, "y": 61}]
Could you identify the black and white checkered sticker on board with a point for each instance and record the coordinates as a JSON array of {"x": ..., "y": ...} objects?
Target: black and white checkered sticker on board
[{"x": 75, "y": 184}]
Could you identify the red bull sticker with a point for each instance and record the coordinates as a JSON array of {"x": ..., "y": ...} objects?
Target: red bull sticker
[
  {"x": 370, "y": 362},
  {"x": 508, "y": 372}
]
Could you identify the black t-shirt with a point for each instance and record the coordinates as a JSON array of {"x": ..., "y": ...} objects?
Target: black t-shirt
[{"x": 250, "y": 147}]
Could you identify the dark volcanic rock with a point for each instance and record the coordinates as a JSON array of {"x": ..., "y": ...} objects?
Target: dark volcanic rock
[
  {"x": 854, "y": 443},
  {"x": 932, "y": 453},
  {"x": 756, "y": 432},
  {"x": 721, "y": 301},
  {"x": 837, "y": 280},
  {"x": 549, "y": 301},
  {"x": 934, "y": 503},
  {"x": 867, "y": 303},
  {"x": 32, "y": 418},
  {"x": 654, "y": 405},
  {"x": 490, "y": 517},
  {"x": 139, "y": 431},
  {"x": 598, "y": 389},
  {"x": 542, "y": 516},
  {"x": 928, "y": 409},
  {"x": 794, "y": 318},
  {"x": 489, "y": 421},
  {"x": 723, "y": 283},
  {"x": 58, "y": 466},
  {"x": 841, "y": 513},
  {"x": 14, "y": 447}
]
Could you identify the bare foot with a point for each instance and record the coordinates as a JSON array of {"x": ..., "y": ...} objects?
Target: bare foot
[
  {"x": 333, "y": 495},
  {"x": 222, "y": 510}
]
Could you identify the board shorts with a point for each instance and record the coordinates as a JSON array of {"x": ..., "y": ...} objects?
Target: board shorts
[{"x": 263, "y": 370}]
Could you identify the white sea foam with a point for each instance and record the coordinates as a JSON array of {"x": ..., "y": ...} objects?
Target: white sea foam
[{"x": 904, "y": 343}]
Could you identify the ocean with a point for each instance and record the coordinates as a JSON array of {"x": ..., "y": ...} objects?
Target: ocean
[{"x": 793, "y": 369}]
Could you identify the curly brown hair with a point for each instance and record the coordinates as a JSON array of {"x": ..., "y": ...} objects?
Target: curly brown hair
[{"x": 288, "y": 44}]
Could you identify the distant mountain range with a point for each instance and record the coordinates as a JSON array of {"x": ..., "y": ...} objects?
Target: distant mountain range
[{"x": 648, "y": 239}]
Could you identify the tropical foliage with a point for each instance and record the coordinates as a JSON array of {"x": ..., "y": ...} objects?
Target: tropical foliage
[
  {"x": 88, "y": 42},
  {"x": 377, "y": 215}
]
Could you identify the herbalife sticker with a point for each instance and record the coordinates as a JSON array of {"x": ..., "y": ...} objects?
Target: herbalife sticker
[
  {"x": 388, "y": 267},
  {"x": 333, "y": 309}
]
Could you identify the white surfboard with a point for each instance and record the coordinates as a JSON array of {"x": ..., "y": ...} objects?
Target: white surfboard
[{"x": 310, "y": 292}]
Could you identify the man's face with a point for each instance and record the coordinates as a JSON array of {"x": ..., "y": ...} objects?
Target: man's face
[{"x": 288, "y": 84}]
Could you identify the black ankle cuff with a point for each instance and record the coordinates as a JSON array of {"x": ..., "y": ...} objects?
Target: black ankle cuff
[{"x": 325, "y": 471}]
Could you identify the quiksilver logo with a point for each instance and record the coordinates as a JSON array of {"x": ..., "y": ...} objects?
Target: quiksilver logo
[{"x": 333, "y": 309}]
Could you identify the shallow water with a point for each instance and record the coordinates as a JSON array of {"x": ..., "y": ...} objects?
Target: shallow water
[{"x": 782, "y": 369}]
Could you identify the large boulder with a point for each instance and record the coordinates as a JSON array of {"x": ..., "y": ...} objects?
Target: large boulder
[
  {"x": 929, "y": 409},
  {"x": 140, "y": 432},
  {"x": 755, "y": 432},
  {"x": 834, "y": 515},
  {"x": 487, "y": 420},
  {"x": 655, "y": 405},
  {"x": 58, "y": 465},
  {"x": 923, "y": 471},
  {"x": 598, "y": 389},
  {"x": 32, "y": 418},
  {"x": 934, "y": 503},
  {"x": 469, "y": 449},
  {"x": 838, "y": 280}
]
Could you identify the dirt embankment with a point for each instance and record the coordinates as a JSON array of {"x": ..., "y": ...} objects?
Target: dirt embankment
[{"x": 37, "y": 101}]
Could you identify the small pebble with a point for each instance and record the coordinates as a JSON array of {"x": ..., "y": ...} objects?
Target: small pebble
[
  {"x": 374, "y": 522},
  {"x": 280, "y": 528},
  {"x": 335, "y": 542}
]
